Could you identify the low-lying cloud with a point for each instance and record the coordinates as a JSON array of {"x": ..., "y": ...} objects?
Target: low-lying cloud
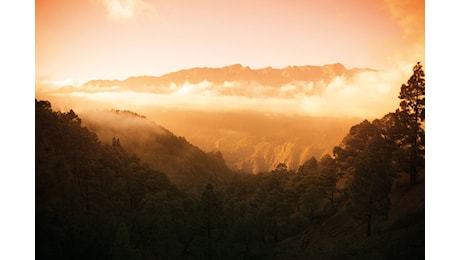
[{"x": 369, "y": 94}]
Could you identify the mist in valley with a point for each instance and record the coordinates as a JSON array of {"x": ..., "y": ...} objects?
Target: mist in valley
[
  {"x": 230, "y": 129},
  {"x": 255, "y": 118}
]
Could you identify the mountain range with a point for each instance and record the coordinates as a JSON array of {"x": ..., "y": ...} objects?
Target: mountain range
[
  {"x": 254, "y": 134},
  {"x": 268, "y": 77}
]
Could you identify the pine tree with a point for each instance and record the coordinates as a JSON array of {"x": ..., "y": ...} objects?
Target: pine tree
[
  {"x": 412, "y": 115},
  {"x": 371, "y": 182}
]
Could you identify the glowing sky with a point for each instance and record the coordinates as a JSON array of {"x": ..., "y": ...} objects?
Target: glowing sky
[{"x": 114, "y": 39}]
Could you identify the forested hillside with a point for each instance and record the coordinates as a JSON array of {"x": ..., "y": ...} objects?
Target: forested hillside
[
  {"x": 186, "y": 165},
  {"x": 97, "y": 200}
]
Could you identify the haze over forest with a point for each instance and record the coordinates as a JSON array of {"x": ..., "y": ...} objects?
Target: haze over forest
[
  {"x": 227, "y": 78},
  {"x": 155, "y": 194},
  {"x": 257, "y": 118},
  {"x": 230, "y": 129}
]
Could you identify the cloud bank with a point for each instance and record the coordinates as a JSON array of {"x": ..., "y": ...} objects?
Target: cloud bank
[{"x": 369, "y": 94}]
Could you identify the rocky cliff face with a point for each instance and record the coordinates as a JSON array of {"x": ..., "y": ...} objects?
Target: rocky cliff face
[{"x": 255, "y": 142}]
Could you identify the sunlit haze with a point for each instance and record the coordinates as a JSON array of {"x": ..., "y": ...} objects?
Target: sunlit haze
[
  {"x": 317, "y": 66},
  {"x": 115, "y": 39},
  {"x": 218, "y": 129},
  {"x": 77, "y": 41}
]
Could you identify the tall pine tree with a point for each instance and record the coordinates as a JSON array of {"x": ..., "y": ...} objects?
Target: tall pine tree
[{"x": 412, "y": 115}]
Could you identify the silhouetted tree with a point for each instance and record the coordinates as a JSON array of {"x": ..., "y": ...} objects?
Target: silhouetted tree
[
  {"x": 328, "y": 177},
  {"x": 281, "y": 168},
  {"x": 82, "y": 186},
  {"x": 392, "y": 129},
  {"x": 353, "y": 145},
  {"x": 211, "y": 210},
  {"x": 412, "y": 114},
  {"x": 311, "y": 198},
  {"x": 121, "y": 247},
  {"x": 309, "y": 167},
  {"x": 371, "y": 182}
]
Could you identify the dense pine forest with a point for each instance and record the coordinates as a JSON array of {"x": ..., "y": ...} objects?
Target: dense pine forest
[{"x": 104, "y": 200}]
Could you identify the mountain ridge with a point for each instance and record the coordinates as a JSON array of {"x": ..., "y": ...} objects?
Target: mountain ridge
[
  {"x": 267, "y": 76},
  {"x": 185, "y": 164}
]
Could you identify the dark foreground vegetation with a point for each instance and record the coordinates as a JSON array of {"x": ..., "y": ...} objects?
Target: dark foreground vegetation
[{"x": 365, "y": 201}]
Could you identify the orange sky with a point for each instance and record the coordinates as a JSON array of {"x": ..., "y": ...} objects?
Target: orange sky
[{"x": 114, "y": 39}]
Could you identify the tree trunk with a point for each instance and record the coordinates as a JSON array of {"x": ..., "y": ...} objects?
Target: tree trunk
[
  {"x": 263, "y": 235},
  {"x": 369, "y": 225},
  {"x": 248, "y": 251},
  {"x": 276, "y": 223},
  {"x": 311, "y": 216},
  {"x": 87, "y": 197},
  {"x": 187, "y": 245},
  {"x": 276, "y": 230},
  {"x": 209, "y": 237},
  {"x": 413, "y": 175},
  {"x": 332, "y": 197},
  {"x": 369, "y": 218},
  {"x": 413, "y": 162}
]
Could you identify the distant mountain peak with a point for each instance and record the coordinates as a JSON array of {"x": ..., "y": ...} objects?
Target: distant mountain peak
[
  {"x": 267, "y": 76},
  {"x": 234, "y": 66}
]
